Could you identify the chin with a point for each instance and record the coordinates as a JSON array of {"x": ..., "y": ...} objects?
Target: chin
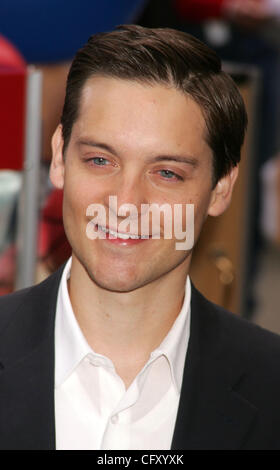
[
  {"x": 116, "y": 285},
  {"x": 118, "y": 282}
]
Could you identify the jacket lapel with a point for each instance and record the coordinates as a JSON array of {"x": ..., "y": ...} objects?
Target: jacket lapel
[
  {"x": 27, "y": 368},
  {"x": 211, "y": 413}
]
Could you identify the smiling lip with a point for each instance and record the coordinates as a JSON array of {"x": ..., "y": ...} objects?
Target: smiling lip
[{"x": 122, "y": 238}]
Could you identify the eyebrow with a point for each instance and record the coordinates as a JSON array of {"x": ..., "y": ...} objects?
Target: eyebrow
[{"x": 188, "y": 160}]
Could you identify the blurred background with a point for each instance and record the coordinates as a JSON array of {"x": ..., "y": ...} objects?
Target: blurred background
[{"x": 237, "y": 260}]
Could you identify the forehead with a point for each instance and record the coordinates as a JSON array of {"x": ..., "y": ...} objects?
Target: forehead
[{"x": 138, "y": 112}]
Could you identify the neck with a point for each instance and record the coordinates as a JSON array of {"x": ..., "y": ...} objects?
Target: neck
[{"x": 126, "y": 326}]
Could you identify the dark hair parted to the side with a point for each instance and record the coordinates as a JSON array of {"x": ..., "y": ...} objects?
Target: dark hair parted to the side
[{"x": 168, "y": 57}]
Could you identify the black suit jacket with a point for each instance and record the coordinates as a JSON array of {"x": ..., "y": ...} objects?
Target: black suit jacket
[{"x": 230, "y": 396}]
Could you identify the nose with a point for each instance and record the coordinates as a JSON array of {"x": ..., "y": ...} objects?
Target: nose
[{"x": 127, "y": 197}]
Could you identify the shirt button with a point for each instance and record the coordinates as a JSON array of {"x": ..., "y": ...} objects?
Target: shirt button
[{"x": 114, "y": 419}]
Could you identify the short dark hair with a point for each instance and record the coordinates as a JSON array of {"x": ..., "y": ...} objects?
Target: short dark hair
[{"x": 165, "y": 56}]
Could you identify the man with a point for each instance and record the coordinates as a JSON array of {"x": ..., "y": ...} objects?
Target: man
[{"x": 117, "y": 350}]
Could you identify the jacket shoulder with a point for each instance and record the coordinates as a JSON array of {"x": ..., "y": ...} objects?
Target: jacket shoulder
[
  {"x": 28, "y": 300},
  {"x": 239, "y": 329},
  {"x": 255, "y": 345},
  {"x": 248, "y": 354},
  {"x": 247, "y": 336}
]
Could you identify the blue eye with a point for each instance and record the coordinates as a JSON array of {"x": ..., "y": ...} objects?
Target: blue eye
[
  {"x": 100, "y": 161},
  {"x": 168, "y": 174}
]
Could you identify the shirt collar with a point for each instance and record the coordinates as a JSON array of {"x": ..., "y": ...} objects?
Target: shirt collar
[
  {"x": 175, "y": 344},
  {"x": 71, "y": 346}
]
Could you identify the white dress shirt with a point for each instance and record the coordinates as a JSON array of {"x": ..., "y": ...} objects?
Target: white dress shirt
[{"x": 93, "y": 410}]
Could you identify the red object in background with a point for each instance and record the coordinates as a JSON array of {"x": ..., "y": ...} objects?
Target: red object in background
[
  {"x": 199, "y": 10},
  {"x": 10, "y": 57},
  {"x": 12, "y": 106}
]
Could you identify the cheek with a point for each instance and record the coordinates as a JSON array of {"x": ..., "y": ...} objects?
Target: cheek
[
  {"x": 75, "y": 202},
  {"x": 201, "y": 213},
  {"x": 79, "y": 193},
  {"x": 200, "y": 200}
]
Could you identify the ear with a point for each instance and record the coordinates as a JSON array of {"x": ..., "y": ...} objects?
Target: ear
[
  {"x": 57, "y": 164},
  {"x": 222, "y": 193}
]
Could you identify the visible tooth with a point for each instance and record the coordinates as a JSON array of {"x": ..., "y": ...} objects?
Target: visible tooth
[
  {"x": 124, "y": 236},
  {"x": 102, "y": 229}
]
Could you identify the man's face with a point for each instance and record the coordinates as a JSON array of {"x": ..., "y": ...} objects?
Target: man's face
[{"x": 118, "y": 147}]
